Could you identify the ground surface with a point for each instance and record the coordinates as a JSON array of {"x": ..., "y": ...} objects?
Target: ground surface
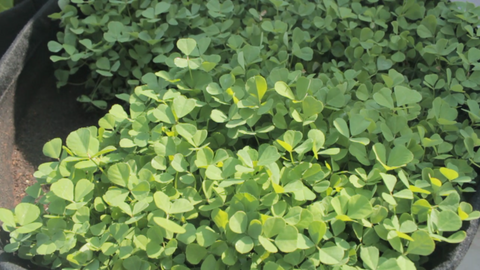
[{"x": 47, "y": 114}]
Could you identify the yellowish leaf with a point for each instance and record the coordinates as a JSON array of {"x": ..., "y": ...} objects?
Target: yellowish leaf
[
  {"x": 418, "y": 190},
  {"x": 449, "y": 173}
]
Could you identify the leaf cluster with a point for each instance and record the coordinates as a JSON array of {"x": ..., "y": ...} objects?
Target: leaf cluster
[{"x": 314, "y": 135}]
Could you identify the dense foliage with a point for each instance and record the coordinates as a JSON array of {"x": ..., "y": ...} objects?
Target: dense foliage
[{"x": 313, "y": 135}]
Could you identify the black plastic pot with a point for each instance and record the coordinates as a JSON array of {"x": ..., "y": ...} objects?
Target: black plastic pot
[{"x": 33, "y": 112}]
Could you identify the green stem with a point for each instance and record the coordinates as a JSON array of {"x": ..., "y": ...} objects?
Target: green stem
[{"x": 176, "y": 180}]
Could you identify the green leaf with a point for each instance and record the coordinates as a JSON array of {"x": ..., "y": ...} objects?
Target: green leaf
[
  {"x": 6, "y": 216},
  {"x": 119, "y": 174},
  {"x": 169, "y": 225},
  {"x": 26, "y": 213},
  {"x": 220, "y": 218},
  {"x": 317, "y": 230},
  {"x": 399, "y": 156},
  {"x": 181, "y": 206},
  {"x": 405, "y": 96},
  {"x": 218, "y": 116},
  {"x": 162, "y": 201},
  {"x": 358, "y": 124},
  {"x": 206, "y": 236},
  {"x": 188, "y": 236},
  {"x": 82, "y": 189},
  {"x": 238, "y": 222},
  {"x": 186, "y": 45},
  {"x": 83, "y": 143},
  {"x": 305, "y": 53},
  {"x": 269, "y": 246},
  {"x": 359, "y": 207},
  {"x": 273, "y": 226},
  {"x": 213, "y": 173},
  {"x": 284, "y": 90},
  {"x": 269, "y": 155},
  {"x": 186, "y": 130},
  {"x": 183, "y": 106},
  {"x": 370, "y": 256},
  {"x": 342, "y": 127},
  {"x": 384, "y": 98},
  {"x": 422, "y": 244},
  {"x": 63, "y": 188},
  {"x": 384, "y": 63},
  {"x": 286, "y": 240},
  {"x": 448, "y": 221},
  {"x": 311, "y": 106},
  {"x": 244, "y": 245},
  {"x": 195, "y": 253},
  {"x": 28, "y": 228},
  {"x": 53, "y": 148},
  {"x": 179, "y": 163},
  {"x": 331, "y": 254},
  {"x": 257, "y": 87}
]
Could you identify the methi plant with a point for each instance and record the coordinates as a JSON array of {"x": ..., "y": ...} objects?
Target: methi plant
[
  {"x": 261, "y": 168},
  {"x": 118, "y": 42},
  {"x": 271, "y": 135}
]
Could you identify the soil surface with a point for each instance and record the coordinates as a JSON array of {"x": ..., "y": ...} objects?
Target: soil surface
[
  {"x": 22, "y": 172},
  {"x": 46, "y": 114}
]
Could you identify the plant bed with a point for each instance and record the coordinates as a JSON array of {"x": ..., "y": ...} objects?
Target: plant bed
[
  {"x": 32, "y": 109},
  {"x": 222, "y": 160}
]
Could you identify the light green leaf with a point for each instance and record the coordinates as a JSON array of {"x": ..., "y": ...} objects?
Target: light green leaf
[
  {"x": 218, "y": 116},
  {"x": 286, "y": 240},
  {"x": 422, "y": 244},
  {"x": 63, "y": 188},
  {"x": 182, "y": 106},
  {"x": 384, "y": 98},
  {"x": 399, "y": 156},
  {"x": 448, "y": 221},
  {"x": 311, "y": 106},
  {"x": 359, "y": 207},
  {"x": 169, "y": 225},
  {"x": 257, "y": 87},
  {"x": 119, "y": 174},
  {"x": 358, "y": 124},
  {"x": 82, "y": 189},
  {"x": 342, "y": 127},
  {"x": 267, "y": 244},
  {"x": 53, "y": 148},
  {"x": 195, "y": 253},
  {"x": 405, "y": 96},
  {"x": 181, "y": 206},
  {"x": 162, "y": 201},
  {"x": 244, "y": 245},
  {"x": 26, "y": 213},
  {"x": 269, "y": 155},
  {"x": 273, "y": 226},
  {"x": 186, "y": 45},
  {"x": 370, "y": 256},
  {"x": 83, "y": 143},
  {"x": 331, "y": 254},
  {"x": 238, "y": 222},
  {"x": 284, "y": 90},
  {"x": 317, "y": 230},
  {"x": 6, "y": 216},
  {"x": 213, "y": 173}
]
